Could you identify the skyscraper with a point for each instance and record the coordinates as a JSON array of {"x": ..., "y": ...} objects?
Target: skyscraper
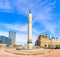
[
  {"x": 12, "y": 35},
  {"x": 29, "y": 30}
]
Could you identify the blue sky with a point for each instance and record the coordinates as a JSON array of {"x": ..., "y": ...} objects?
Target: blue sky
[{"x": 14, "y": 16}]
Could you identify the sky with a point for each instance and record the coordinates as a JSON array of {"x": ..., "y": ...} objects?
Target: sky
[{"x": 45, "y": 18}]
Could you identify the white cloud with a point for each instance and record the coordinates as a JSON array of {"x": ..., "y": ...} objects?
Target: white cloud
[
  {"x": 44, "y": 17},
  {"x": 3, "y": 33},
  {"x": 5, "y": 6},
  {"x": 18, "y": 27},
  {"x": 22, "y": 28},
  {"x": 22, "y": 6},
  {"x": 46, "y": 22}
]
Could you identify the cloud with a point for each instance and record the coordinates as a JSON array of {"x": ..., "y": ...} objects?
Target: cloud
[
  {"x": 47, "y": 22},
  {"x": 40, "y": 9},
  {"x": 22, "y": 6},
  {"x": 3, "y": 33},
  {"x": 5, "y": 6},
  {"x": 44, "y": 17},
  {"x": 18, "y": 27},
  {"x": 22, "y": 28},
  {"x": 51, "y": 27}
]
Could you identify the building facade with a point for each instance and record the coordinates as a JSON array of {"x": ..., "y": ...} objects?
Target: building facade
[
  {"x": 5, "y": 40},
  {"x": 44, "y": 41},
  {"x": 12, "y": 35}
]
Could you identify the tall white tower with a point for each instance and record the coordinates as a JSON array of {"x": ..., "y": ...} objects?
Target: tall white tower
[{"x": 30, "y": 30}]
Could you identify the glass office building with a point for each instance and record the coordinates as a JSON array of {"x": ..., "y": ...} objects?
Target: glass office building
[
  {"x": 5, "y": 40},
  {"x": 12, "y": 35}
]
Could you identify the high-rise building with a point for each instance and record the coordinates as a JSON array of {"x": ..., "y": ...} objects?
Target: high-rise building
[{"x": 12, "y": 35}]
